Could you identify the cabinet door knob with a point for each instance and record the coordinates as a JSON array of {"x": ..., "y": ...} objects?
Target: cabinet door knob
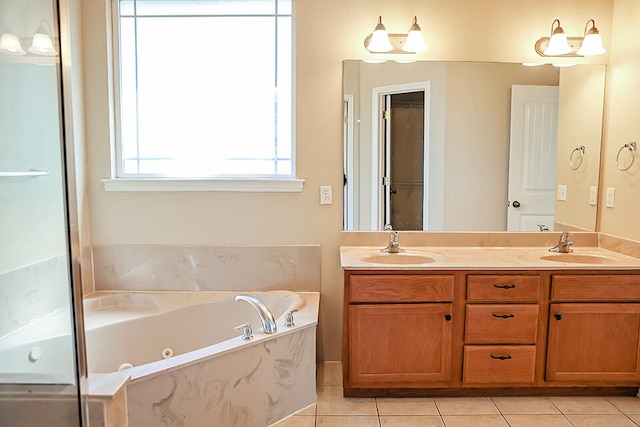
[
  {"x": 507, "y": 357},
  {"x": 504, "y": 316},
  {"x": 558, "y": 316},
  {"x": 505, "y": 286},
  {"x": 447, "y": 317}
]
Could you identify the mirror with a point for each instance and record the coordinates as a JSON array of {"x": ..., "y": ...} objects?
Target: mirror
[{"x": 459, "y": 178}]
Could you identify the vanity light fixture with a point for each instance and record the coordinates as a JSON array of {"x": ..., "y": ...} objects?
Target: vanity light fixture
[
  {"x": 42, "y": 43},
  {"x": 378, "y": 41},
  {"x": 382, "y": 42},
  {"x": 561, "y": 45},
  {"x": 558, "y": 43},
  {"x": 592, "y": 42},
  {"x": 10, "y": 43}
]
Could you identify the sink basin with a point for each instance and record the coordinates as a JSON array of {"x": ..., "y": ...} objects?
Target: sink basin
[
  {"x": 400, "y": 258},
  {"x": 579, "y": 258}
]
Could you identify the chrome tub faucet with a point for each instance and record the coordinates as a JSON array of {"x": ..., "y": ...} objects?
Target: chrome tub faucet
[
  {"x": 268, "y": 322},
  {"x": 564, "y": 245}
]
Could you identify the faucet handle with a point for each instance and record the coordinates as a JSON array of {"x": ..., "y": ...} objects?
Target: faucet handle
[
  {"x": 288, "y": 318},
  {"x": 247, "y": 332},
  {"x": 388, "y": 227}
]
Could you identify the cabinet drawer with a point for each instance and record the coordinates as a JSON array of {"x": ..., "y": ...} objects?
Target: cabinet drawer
[
  {"x": 401, "y": 288},
  {"x": 596, "y": 287},
  {"x": 516, "y": 288},
  {"x": 499, "y": 364},
  {"x": 501, "y": 323}
]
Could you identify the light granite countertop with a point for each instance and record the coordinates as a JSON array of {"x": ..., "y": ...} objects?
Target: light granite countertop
[{"x": 478, "y": 251}]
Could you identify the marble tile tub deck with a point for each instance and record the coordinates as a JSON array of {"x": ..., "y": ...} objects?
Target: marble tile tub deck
[{"x": 333, "y": 410}]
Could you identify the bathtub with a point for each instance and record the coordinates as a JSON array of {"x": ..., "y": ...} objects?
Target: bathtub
[{"x": 188, "y": 365}]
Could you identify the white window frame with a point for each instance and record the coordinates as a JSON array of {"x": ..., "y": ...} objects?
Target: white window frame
[{"x": 242, "y": 183}]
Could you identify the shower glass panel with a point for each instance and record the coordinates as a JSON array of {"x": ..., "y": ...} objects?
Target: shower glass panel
[{"x": 38, "y": 363}]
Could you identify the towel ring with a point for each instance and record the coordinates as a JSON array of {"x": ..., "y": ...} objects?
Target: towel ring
[
  {"x": 580, "y": 150},
  {"x": 632, "y": 147}
]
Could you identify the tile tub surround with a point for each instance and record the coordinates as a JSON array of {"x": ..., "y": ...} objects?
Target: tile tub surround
[{"x": 207, "y": 268}]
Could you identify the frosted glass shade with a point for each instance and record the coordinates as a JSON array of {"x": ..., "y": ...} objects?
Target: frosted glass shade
[
  {"x": 558, "y": 45},
  {"x": 415, "y": 42},
  {"x": 42, "y": 45},
  {"x": 10, "y": 44},
  {"x": 380, "y": 42},
  {"x": 591, "y": 45}
]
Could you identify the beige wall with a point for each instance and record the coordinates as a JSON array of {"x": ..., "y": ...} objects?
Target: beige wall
[
  {"x": 622, "y": 124},
  {"x": 328, "y": 31}
]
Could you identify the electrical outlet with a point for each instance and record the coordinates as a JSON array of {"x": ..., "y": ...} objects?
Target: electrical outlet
[
  {"x": 562, "y": 192},
  {"x": 611, "y": 196},
  {"x": 325, "y": 195},
  {"x": 593, "y": 196}
]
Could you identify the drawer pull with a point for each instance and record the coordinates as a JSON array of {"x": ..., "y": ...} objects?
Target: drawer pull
[
  {"x": 447, "y": 317},
  {"x": 504, "y": 286},
  {"x": 501, "y": 357},
  {"x": 558, "y": 316},
  {"x": 504, "y": 316}
]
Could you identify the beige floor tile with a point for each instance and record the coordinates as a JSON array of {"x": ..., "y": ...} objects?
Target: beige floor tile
[
  {"x": 592, "y": 420},
  {"x": 331, "y": 402},
  {"x": 474, "y": 421},
  {"x": 330, "y": 373},
  {"x": 525, "y": 405},
  {"x": 411, "y": 421},
  {"x": 466, "y": 405},
  {"x": 539, "y": 420},
  {"x": 346, "y": 421},
  {"x": 297, "y": 421},
  {"x": 406, "y": 406},
  {"x": 627, "y": 404},
  {"x": 635, "y": 418},
  {"x": 584, "y": 405},
  {"x": 310, "y": 410}
]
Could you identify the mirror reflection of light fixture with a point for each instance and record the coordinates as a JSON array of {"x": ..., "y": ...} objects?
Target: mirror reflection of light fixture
[
  {"x": 561, "y": 45},
  {"x": 558, "y": 43},
  {"x": 382, "y": 42},
  {"x": 379, "y": 39},
  {"x": 592, "y": 42},
  {"x": 10, "y": 43},
  {"x": 415, "y": 41},
  {"x": 42, "y": 43}
]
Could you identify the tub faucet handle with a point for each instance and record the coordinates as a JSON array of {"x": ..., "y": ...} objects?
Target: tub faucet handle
[
  {"x": 288, "y": 319},
  {"x": 247, "y": 332}
]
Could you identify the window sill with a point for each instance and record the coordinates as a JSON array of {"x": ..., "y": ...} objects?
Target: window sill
[{"x": 255, "y": 185}]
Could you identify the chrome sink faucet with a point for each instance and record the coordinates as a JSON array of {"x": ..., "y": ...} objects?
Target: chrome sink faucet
[
  {"x": 268, "y": 322},
  {"x": 393, "y": 247},
  {"x": 564, "y": 245}
]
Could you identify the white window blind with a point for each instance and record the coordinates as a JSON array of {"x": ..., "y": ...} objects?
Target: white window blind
[{"x": 205, "y": 89}]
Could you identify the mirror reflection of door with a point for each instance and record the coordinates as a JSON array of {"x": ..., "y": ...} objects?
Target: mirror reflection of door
[
  {"x": 403, "y": 176},
  {"x": 532, "y": 155}
]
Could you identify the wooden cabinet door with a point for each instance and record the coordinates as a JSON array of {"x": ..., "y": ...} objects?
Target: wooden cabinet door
[
  {"x": 400, "y": 345},
  {"x": 594, "y": 342}
]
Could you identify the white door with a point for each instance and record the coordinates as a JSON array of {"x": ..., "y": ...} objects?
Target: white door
[{"x": 532, "y": 157}]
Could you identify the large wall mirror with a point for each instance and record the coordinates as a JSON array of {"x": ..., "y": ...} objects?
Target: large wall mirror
[{"x": 471, "y": 146}]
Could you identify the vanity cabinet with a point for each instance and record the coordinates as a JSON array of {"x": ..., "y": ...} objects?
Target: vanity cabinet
[
  {"x": 471, "y": 333},
  {"x": 398, "y": 330},
  {"x": 594, "y": 329}
]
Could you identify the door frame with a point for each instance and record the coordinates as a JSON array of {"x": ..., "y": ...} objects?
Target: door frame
[
  {"x": 349, "y": 163},
  {"x": 377, "y": 152}
]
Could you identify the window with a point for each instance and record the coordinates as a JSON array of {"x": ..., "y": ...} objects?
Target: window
[{"x": 205, "y": 89}]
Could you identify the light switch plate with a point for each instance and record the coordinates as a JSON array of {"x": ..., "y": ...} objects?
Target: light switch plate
[
  {"x": 593, "y": 196},
  {"x": 611, "y": 197},
  {"x": 562, "y": 192}
]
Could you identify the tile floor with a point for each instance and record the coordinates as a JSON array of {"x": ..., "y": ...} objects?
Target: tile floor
[{"x": 332, "y": 410}]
